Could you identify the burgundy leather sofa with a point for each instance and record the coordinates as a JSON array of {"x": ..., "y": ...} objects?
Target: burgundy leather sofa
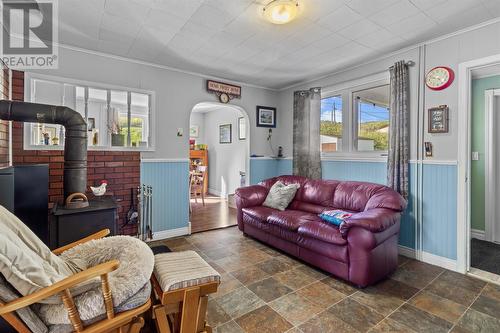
[{"x": 363, "y": 250}]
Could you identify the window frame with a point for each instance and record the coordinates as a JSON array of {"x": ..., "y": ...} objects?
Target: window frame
[
  {"x": 29, "y": 93},
  {"x": 349, "y": 118}
]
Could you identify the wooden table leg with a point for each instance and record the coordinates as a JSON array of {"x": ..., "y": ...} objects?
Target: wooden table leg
[
  {"x": 190, "y": 310},
  {"x": 202, "y": 313}
]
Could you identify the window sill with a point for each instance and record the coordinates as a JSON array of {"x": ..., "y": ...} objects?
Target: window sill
[
  {"x": 92, "y": 148},
  {"x": 361, "y": 157}
]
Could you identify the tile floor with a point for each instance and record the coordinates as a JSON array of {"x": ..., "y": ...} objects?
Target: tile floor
[{"x": 265, "y": 291}]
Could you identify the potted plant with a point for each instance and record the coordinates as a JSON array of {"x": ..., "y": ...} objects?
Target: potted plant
[{"x": 117, "y": 139}]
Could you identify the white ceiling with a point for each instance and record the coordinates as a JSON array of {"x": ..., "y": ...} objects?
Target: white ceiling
[{"x": 230, "y": 38}]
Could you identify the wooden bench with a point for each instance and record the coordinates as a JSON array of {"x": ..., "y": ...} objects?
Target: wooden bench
[{"x": 182, "y": 282}]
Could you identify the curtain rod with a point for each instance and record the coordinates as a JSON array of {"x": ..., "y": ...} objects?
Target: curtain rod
[{"x": 409, "y": 63}]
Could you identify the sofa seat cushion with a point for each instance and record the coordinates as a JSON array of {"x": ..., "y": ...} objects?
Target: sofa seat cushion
[
  {"x": 291, "y": 219},
  {"x": 322, "y": 231},
  {"x": 260, "y": 213}
]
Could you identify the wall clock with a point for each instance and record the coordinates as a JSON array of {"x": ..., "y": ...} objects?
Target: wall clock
[
  {"x": 439, "y": 78},
  {"x": 224, "y": 98}
]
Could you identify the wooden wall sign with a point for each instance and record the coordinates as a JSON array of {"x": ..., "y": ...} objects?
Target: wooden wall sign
[
  {"x": 224, "y": 91},
  {"x": 438, "y": 119}
]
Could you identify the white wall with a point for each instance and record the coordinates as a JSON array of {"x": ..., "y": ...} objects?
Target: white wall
[
  {"x": 176, "y": 94},
  {"x": 225, "y": 160},
  {"x": 198, "y": 119}
]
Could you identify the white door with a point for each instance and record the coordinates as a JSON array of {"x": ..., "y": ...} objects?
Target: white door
[{"x": 492, "y": 165}]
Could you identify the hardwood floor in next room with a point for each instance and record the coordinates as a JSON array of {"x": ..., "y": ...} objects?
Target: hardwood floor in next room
[{"x": 215, "y": 214}]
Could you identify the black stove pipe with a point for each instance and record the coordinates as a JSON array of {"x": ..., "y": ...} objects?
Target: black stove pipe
[{"x": 75, "y": 143}]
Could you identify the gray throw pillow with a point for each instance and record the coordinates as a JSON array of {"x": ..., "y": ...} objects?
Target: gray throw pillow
[{"x": 280, "y": 195}]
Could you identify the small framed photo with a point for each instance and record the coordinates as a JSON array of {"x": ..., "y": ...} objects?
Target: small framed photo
[
  {"x": 194, "y": 131},
  {"x": 266, "y": 116},
  {"x": 225, "y": 135},
  {"x": 90, "y": 124},
  {"x": 242, "y": 128},
  {"x": 438, "y": 119}
]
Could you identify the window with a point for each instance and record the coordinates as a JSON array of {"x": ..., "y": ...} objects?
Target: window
[
  {"x": 372, "y": 113},
  {"x": 117, "y": 119},
  {"x": 331, "y": 124},
  {"x": 355, "y": 118}
]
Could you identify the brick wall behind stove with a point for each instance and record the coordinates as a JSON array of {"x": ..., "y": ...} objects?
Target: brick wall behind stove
[{"x": 120, "y": 169}]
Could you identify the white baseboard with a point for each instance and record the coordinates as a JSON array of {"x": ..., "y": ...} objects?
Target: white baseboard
[
  {"x": 165, "y": 234},
  {"x": 429, "y": 258},
  {"x": 478, "y": 234},
  {"x": 406, "y": 251},
  {"x": 213, "y": 191},
  {"x": 439, "y": 261}
]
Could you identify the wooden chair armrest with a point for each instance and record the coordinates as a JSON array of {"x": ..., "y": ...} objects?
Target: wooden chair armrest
[
  {"x": 98, "y": 235},
  {"x": 60, "y": 286}
]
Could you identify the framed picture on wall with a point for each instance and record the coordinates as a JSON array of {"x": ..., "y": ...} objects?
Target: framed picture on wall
[
  {"x": 225, "y": 135},
  {"x": 90, "y": 124},
  {"x": 266, "y": 116},
  {"x": 242, "y": 129},
  {"x": 194, "y": 131},
  {"x": 438, "y": 119}
]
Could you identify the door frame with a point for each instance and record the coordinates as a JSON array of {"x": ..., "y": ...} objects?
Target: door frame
[
  {"x": 464, "y": 157},
  {"x": 491, "y": 165}
]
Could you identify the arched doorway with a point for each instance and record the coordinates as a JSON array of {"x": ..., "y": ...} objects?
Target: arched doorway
[{"x": 219, "y": 163}]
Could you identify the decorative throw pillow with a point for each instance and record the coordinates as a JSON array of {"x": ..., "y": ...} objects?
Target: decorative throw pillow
[
  {"x": 335, "y": 216},
  {"x": 280, "y": 195}
]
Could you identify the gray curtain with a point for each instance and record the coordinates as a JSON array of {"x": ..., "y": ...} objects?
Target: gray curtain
[
  {"x": 306, "y": 137},
  {"x": 399, "y": 140}
]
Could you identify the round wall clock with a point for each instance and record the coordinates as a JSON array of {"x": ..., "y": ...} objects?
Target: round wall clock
[
  {"x": 224, "y": 98},
  {"x": 439, "y": 78}
]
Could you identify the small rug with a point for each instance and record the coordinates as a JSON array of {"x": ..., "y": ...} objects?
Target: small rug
[
  {"x": 485, "y": 256},
  {"x": 160, "y": 249}
]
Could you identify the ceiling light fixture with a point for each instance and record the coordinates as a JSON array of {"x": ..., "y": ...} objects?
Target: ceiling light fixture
[{"x": 281, "y": 11}]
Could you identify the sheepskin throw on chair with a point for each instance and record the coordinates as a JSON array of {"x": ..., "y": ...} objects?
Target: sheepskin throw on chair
[{"x": 306, "y": 136}]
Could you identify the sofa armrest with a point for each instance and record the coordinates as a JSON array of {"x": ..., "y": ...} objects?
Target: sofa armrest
[
  {"x": 374, "y": 220},
  {"x": 249, "y": 196}
]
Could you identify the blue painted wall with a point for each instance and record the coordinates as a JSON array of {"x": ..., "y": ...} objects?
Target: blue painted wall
[
  {"x": 170, "y": 193},
  {"x": 374, "y": 172},
  {"x": 439, "y": 200}
]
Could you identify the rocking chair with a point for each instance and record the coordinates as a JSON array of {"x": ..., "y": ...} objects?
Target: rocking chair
[{"x": 126, "y": 317}]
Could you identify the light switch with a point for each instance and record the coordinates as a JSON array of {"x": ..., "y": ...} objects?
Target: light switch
[
  {"x": 180, "y": 131},
  {"x": 475, "y": 156}
]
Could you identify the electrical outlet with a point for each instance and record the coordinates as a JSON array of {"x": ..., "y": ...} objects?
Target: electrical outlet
[{"x": 475, "y": 156}]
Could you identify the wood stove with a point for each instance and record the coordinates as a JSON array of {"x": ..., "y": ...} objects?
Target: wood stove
[{"x": 69, "y": 225}]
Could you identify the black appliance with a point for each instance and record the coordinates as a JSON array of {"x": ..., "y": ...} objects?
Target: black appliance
[
  {"x": 24, "y": 192},
  {"x": 69, "y": 225}
]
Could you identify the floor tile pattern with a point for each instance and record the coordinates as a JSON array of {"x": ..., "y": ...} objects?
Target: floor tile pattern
[{"x": 264, "y": 290}]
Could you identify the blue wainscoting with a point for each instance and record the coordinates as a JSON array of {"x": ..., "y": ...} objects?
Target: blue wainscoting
[
  {"x": 374, "y": 172},
  {"x": 408, "y": 220},
  {"x": 170, "y": 183},
  {"x": 262, "y": 168},
  {"x": 285, "y": 167},
  {"x": 439, "y": 200}
]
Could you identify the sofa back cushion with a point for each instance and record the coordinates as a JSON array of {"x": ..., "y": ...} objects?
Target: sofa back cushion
[{"x": 315, "y": 196}]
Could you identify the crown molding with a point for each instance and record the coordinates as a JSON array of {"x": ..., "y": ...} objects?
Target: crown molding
[{"x": 155, "y": 65}]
